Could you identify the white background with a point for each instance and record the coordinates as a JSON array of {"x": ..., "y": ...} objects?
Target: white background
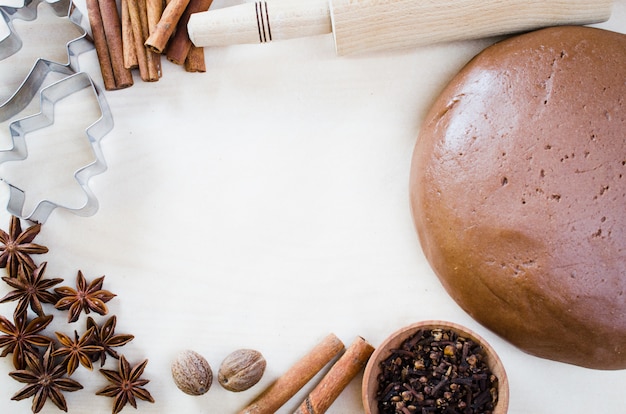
[{"x": 262, "y": 204}]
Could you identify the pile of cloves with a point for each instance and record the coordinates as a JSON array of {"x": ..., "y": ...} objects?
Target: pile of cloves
[{"x": 436, "y": 371}]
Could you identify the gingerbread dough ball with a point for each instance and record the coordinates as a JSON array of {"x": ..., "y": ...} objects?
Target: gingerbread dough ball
[{"x": 518, "y": 192}]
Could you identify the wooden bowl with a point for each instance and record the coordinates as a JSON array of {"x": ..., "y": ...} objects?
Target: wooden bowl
[{"x": 372, "y": 370}]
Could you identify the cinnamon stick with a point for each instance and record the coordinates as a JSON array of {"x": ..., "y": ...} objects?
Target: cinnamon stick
[
  {"x": 135, "y": 19},
  {"x": 194, "y": 62},
  {"x": 154, "y": 11},
  {"x": 100, "y": 43},
  {"x": 154, "y": 59},
  {"x": 128, "y": 41},
  {"x": 113, "y": 33},
  {"x": 180, "y": 43},
  {"x": 157, "y": 41},
  {"x": 337, "y": 378},
  {"x": 148, "y": 63},
  {"x": 285, "y": 387}
]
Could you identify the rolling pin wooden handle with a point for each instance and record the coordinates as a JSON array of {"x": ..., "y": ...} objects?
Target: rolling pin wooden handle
[
  {"x": 361, "y": 25},
  {"x": 259, "y": 22}
]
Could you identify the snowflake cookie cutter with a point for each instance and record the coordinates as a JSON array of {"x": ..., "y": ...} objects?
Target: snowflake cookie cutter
[{"x": 72, "y": 81}]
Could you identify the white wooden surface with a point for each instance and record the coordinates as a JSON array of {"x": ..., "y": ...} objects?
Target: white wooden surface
[{"x": 263, "y": 204}]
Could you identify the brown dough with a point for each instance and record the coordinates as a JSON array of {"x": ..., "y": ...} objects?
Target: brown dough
[{"x": 518, "y": 192}]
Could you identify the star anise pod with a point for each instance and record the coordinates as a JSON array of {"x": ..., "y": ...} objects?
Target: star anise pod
[
  {"x": 45, "y": 380},
  {"x": 31, "y": 288},
  {"x": 126, "y": 385},
  {"x": 87, "y": 297},
  {"x": 105, "y": 337},
  {"x": 23, "y": 337},
  {"x": 18, "y": 247},
  {"x": 77, "y": 351}
]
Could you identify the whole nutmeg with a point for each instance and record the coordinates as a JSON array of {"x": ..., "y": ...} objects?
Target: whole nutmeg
[
  {"x": 192, "y": 373},
  {"x": 241, "y": 370}
]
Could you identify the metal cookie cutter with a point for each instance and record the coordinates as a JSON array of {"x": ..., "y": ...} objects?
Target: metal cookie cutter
[
  {"x": 12, "y": 43},
  {"x": 72, "y": 81}
]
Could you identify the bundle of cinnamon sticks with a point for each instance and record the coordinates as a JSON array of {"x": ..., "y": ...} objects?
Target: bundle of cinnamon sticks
[
  {"x": 136, "y": 35},
  {"x": 342, "y": 371}
]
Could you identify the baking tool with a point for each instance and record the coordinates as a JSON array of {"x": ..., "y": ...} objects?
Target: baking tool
[
  {"x": 371, "y": 25},
  {"x": 21, "y": 127},
  {"x": 12, "y": 43},
  {"x": 38, "y": 83}
]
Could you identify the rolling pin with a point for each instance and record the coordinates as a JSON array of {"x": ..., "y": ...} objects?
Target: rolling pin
[{"x": 371, "y": 25}]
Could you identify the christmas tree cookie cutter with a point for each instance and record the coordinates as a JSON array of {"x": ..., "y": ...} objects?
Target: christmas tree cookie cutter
[{"x": 72, "y": 81}]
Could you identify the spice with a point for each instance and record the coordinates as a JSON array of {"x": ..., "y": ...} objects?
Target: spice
[
  {"x": 18, "y": 246},
  {"x": 23, "y": 337},
  {"x": 104, "y": 336},
  {"x": 337, "y": 378},
  {"x": 31, "y": 288},
  {"x": 154, "y": 11},
  {"x": 241, "y": 369},
  {"x": 180, "y": 43},
  {"x": 100, "y": 43},
  {"x": 164, "y": 29},
  {"x": 195, "y": 61},
  {"x": 45, "y": 380},
  {"x": 436, "y": 371},
  {"x": 126, "y": 385},
  {"x": 148, "y": 62},
  {"x": 192, "y": 373},
  {"x": 87, "y": 297},
  {"x": 128, "y": 46},
  {"x": 137, "y": 35},
  {"x": 76, "y": 351},
  {"x": 285, "y": 387},
  {"x": 106, "y": 29}
]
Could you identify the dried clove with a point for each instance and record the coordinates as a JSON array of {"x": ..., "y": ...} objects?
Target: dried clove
[{"x": 436, "y": 371}]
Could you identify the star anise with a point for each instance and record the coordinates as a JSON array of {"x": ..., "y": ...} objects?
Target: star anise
[
  {"x": 23, "y": 337},
  {"x": 31, "y": 288},
  {"x": 77, "y": 351},
  {"x": 45, "y": 380},
  {"x": 126, "y": 385},
  {"x": 87, "y": 297},
  {"x": 18, "y": 247},
  {"x": 105, "y": 337}
]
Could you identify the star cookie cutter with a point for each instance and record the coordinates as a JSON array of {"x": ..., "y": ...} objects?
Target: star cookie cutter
[{"x": 72, "y": 81}]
